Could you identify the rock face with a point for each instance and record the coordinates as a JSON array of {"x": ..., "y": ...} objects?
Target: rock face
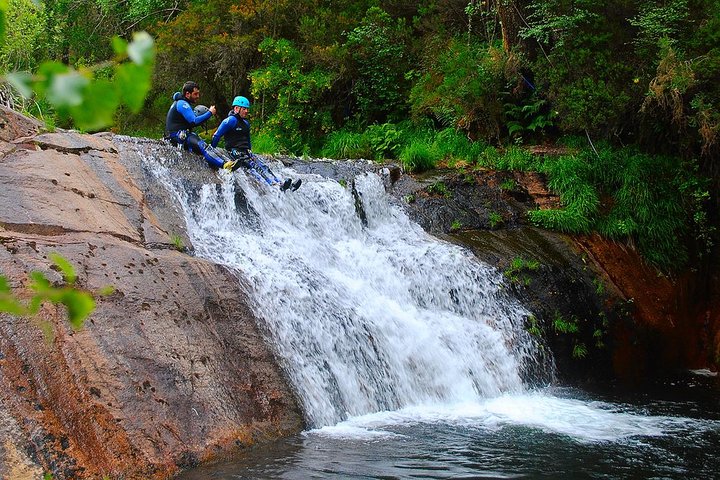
[{"x": 169, "y": 371}]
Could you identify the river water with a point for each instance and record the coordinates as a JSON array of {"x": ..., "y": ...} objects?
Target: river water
[{"x": 409, "y": 358}]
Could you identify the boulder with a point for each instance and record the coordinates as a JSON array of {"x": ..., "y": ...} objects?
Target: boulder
[{"x": 169, "y": 371}]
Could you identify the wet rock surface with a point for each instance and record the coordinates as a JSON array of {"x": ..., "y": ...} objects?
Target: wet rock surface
[{"x": 170, "y": 370}]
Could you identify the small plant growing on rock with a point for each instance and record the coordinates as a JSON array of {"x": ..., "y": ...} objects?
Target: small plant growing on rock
[
  {"x": 495, "y": 220},
  {"x": 599, "y": 286},
  {"x": 516, "y": 272},
  {"x": 177, "y": 242},
  {"x": 439, "y": 188},
  {"x": 456, "y": 225},
  {"x": 410, "y": 198},
  {"x": 563, "y": 325},
  {"x": 579, "y": 351},
  {"x": 508, "y": 185},
  {"x": 533, "y": 327}
]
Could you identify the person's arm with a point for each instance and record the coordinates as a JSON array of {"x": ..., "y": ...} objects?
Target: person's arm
[
  {"x": 187, "y": 112},
  {"x": 228, "y": 124},
  {"x": 249, "y": 139}
]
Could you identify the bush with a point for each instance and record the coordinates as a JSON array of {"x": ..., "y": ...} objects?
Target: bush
[
  {"x": 461, "y": 87},
  {"x": 344, "y": 144},
  {"x": 418, "y": 156},
  {"x": 264, "y": 142}
]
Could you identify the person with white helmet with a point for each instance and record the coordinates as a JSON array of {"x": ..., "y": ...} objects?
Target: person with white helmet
[
  {"x": 180, "y": 120},
  {"x": 235, "y": 129}
]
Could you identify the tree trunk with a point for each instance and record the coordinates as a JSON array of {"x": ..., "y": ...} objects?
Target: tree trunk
[{"x": 511, "y": 20}]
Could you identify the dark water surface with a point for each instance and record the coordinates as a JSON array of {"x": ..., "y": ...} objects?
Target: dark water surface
[{"x": 670, "y": 430}]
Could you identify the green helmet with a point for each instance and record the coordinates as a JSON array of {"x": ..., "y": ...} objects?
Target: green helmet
[{"x": 241, "y": 102}]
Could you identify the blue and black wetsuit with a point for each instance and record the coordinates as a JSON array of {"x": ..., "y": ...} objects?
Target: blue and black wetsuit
[
  {"x": 178, "y": 129},
  {"x": 236, "y": 131}
]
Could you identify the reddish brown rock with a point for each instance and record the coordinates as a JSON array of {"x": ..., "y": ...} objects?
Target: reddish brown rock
[{"x": 169, "y": 371}]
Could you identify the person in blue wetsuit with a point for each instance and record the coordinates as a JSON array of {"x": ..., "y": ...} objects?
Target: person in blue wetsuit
[
  {"x": 181, "y": 118},
  {"x": 236, "y": 131}
]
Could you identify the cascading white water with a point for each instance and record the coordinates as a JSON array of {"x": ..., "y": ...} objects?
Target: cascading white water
[{"x": 365, "y": 318}]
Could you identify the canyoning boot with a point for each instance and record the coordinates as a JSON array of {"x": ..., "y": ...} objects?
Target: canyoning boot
[
  {"x": 231, "y": 165},
  {"x": 286, "y": 184},
  {"x": 297, "y": 184}
]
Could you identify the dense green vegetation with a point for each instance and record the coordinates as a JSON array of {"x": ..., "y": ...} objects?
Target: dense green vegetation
[{"x": 630, "y": 86}]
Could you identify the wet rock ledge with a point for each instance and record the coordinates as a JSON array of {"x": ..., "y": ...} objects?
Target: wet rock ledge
[{"x": 169, "y": 371}]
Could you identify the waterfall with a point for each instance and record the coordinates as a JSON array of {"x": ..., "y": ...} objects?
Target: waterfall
[{"x": 365, "y": 315}]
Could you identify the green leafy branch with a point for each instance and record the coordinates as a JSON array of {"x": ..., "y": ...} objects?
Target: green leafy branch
[
  {"x": 79, "y": 303},
  {"x": 85, "y": 94}
]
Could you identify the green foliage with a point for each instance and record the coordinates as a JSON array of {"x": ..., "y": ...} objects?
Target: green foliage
[
  {"x": 586, "y": 80},
  {"x": 289, "y": 95},
  {"x": 79, "y": 304},
  {"x": 579, "y": 351},
  {"x": 344, "y": 144},
  {"x": 508, "y": 185},
  {"x": 515, "y": 158},
  {"x": 495, "y": 220},
  {"x": 555, "y": 21},
  {"x": 378, "y": 50},
  {"x": 25, "y": 35},
  {"x": 67, "y": 89},
  {"x": 454, "y": 146},
  {"x": 659, "y": 21},
  {"x": 533, "y": 326},
  {"x": 177, "y": 242},
  {"x": 599, "y": 286},
  {"x": 598, "y": 337},
  {"x": 461, "y": 87},
  {"x": 532, "y": 115},
  {"x": 455, "y": 226},
  {"x": 262, "y": 142},
  {"x": 568, "y": 176},
  {"x": 645, "y": 199},
  {"x": 563, "y": 325},
  {"x": 418, "y": 156},
  {"x": 517, "y": 271},
  {"x": 439, "y": 188},
  {"x": 385, "y": 140}
]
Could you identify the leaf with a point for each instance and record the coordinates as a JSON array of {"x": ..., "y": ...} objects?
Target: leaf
[
  {"x": 141, "y": 50},
  {"x": 97, "y": 113},
  {"x": 11, "y": 305},
  {"x": 133, "y": 84},
  {"x": 67, "y": 89},
  {"x": 22, "y": 82},
  {"x": 79, "y": 306},
  {"x": 68, "y": 271},
  {"x": 3, "y": 19},
  {"x": 39, "y": 282},
  {"x": 119, "y": 46}
]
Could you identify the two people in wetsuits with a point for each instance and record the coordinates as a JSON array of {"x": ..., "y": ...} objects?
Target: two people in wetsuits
[{"x": 181, "y": 118}]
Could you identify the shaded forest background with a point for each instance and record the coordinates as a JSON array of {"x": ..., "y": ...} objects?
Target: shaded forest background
[{"x": 628, "y": 89}]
